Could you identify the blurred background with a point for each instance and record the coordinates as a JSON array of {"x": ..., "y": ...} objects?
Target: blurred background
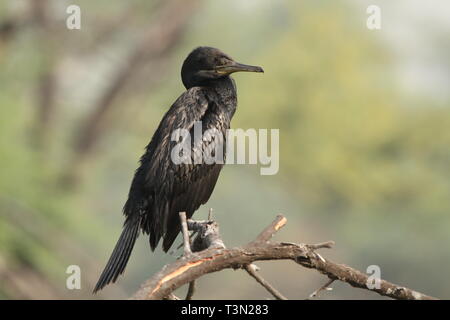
[{"x": 364, "y": 120}]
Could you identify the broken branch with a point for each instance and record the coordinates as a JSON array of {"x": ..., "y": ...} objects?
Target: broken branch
[{"x": 211, "y": 260}]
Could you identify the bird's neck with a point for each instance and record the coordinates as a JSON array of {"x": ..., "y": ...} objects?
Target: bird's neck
[{"x": 226, "y": 89}]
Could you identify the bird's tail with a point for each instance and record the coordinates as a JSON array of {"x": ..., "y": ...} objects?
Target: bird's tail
[{"x": 120, "y": 255}]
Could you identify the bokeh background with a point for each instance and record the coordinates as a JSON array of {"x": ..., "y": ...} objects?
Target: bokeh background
[{"x": 364, "y": 119}]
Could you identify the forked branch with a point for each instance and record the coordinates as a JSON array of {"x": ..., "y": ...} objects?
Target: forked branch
[{"x": 215, "y": 258}]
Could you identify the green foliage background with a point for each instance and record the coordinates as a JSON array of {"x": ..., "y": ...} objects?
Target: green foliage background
[{"x": 362, "y": 161}]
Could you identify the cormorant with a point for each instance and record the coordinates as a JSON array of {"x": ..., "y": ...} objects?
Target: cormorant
[{"x": 160, "y": 188}]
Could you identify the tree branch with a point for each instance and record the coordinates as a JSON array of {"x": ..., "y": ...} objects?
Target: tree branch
[
  {"x": 186, "y": 240},
  {"x": 252, "y": 271},
  {"x": 211, "y": 260},
  {"x": 322, "y": 288},
  {"x": 270, "y": 230},
  {"x": 191, "y": 290}
]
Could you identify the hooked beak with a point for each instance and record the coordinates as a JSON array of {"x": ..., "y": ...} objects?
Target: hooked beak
[{"x": 236, "y": 67}]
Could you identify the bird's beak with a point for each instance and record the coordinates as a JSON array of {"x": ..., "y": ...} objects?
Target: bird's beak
[{"x": 236, "y": 67}]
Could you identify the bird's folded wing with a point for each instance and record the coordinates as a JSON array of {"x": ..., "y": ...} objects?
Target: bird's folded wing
[{"x": 178, "y": 186}]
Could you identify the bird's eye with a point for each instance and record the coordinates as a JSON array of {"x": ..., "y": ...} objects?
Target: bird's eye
[{"x": 223, "y": 60}]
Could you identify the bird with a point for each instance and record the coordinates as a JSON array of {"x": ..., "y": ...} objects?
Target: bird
[{"x": 162, "y": 188}]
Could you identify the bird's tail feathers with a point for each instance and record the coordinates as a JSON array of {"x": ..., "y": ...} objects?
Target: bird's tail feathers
[{"x": 120, "y": 255}]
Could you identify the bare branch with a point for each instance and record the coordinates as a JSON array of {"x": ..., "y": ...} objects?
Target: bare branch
[
  {"x": 191, "y": 290},
  {"x": 324, "y": 287},
  {"x": 251, "y": 270},
  {"x": 326, "y": 245},
  {"x": 211, "y": 260},
  {"x": 210, "y": 214},
  {"x": 268, "y": 232},
  {"x": 171, "y": 296},
  {"x": 186, "y": 240}
]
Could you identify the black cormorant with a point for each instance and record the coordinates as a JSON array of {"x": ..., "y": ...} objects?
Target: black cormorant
[{"x": 160, "y": 188}]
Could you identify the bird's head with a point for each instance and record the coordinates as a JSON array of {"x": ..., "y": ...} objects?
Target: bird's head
[{"x": 206, "y": 64}]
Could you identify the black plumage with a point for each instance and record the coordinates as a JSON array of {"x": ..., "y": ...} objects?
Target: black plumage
[{"x": 161, "y": 188}]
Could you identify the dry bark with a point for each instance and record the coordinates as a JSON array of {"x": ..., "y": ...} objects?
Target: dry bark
[{"x": 194, "y": 265}]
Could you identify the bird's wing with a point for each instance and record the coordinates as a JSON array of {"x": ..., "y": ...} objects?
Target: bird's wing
[
  {"x": 175, "y": 187},
  {"x": 186, "y": 110}
]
